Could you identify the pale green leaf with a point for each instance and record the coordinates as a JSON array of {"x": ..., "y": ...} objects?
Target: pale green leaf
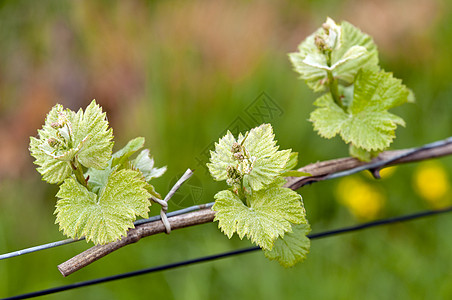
[
  {"x": 293, "y": 248},
  {"x": 270, "y": 216},
  {"x": 278, "y": 182},
  {"x": 67, "y": 135},
  {"x": 122, "y": 156},
  {"x": 145, "y": 163},
  {"x": 106, "y": 216},
  {"x": 266, "y": 161},
  {"x": 53, "y": 162},
  {"x": 329, "y": 118},
  {"x": 360, "y": 154},
  {"x": 91, "y": 126},
  {"x": 222, "y": 157},
  {"x": 98, "y": 179},
  {"x": 371, "y": 130},
  {"x": 315, "y": 77},
  {"x": 353, "y": 51},
  {"x": 377, "y": 91},
  {"x": 151, "y": 190},
  {"x": 52, "y": 170},
  {"x": 361, "y": 50},
  {"x": 371, "y": 127},
  {"x": 366, "y": 124},
  {"x": 292, "y": 162},
  {"x": 267, "y": 168}
]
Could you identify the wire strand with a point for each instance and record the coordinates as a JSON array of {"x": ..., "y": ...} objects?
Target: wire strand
[{"x": 314, "y": 236}]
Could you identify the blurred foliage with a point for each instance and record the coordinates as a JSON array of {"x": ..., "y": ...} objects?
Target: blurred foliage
[{"x": 181, "y": 73}]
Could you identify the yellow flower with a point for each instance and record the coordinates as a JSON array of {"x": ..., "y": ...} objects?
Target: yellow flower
[
  {"x": 363, "y": 200},
  {"x": 431, "y": 183}
]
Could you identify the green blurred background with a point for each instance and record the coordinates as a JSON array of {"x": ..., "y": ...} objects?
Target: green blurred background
[{"x": 181, "y": 73}]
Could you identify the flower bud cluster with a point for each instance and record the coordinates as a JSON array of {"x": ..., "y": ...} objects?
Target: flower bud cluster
[
  {"x": 329, "y": 39},
  {"x": 244, "y": 164},
  {"x": 61, "y": 138}
]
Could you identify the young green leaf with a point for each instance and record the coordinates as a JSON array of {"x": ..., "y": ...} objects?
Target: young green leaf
[
  {"x": 67, "y": 136},
  {"x": 106, "y": 216},
  {"x": 91, "y": 127},
  {"x": 222, "y": 157},
  {"x": 270, "y": 216},
  {"x": 51, "y": 150},
  {"x": 145, "y": 163},
  {"x": 120, "y": 159},
  {"x": 269, "y": 162},
  {"x": 122, "y": 156},
  {"x": 256, "y": 157},
  {"x": 361, "y": 154},
  {"x": 360, "y": 50},
  {"x": 366, "y": 124},
  {"x": 293, "y": 248},
  {"x": 292, "y": 162},
  {"x": 98, "y": 179},
  {"x": 52, "y": 170},
  {"x": 341, "y": 50}
]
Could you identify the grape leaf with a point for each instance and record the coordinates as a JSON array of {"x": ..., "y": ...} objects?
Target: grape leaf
[
  {"x": 353, "y": 41},
  {"x": 362, "y": 154},
  {"x": 53, "y": 163},
  {"x": 97, "y": 179},
  {"x": 122, "y": 156},
  {"x": 103, "y": 217},
  {"x": 289, "y": 170},
  {"x": 292, "y": 162},
  {"x": 145, "y": 163},
  {"x": 304, "y": 63},
  {"x": 52, "y": 170},
  {"x": 267, "y": 161},
  {"x": 91, "y": 126},
  {"x": 270, "y": 216},
  {"x": 293, "y": 248},
  {"x": 67, "y": 135},
  {"x": 222, "y": 157},
  {"x": 352, "y": 51},
  {"x": 366, "y": 124}
]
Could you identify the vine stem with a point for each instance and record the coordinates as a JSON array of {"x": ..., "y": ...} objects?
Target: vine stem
[
  {"x": 319, "y": 171},
  {"x": 334, "y": 89},
  {"x": 78, "y": 172},
  {"x": 133, "y": 236},
  {"x": 333, "y": 85}
]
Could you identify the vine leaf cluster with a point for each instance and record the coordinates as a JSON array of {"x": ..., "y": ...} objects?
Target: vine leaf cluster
[
  {"x": 342, "y": 62},
  {"x": 100, "y": 193},
  {"x": 257, "y": 205}
]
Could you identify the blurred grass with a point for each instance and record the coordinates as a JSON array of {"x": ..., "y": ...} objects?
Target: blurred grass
[{"x": 179, "y": 73}]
